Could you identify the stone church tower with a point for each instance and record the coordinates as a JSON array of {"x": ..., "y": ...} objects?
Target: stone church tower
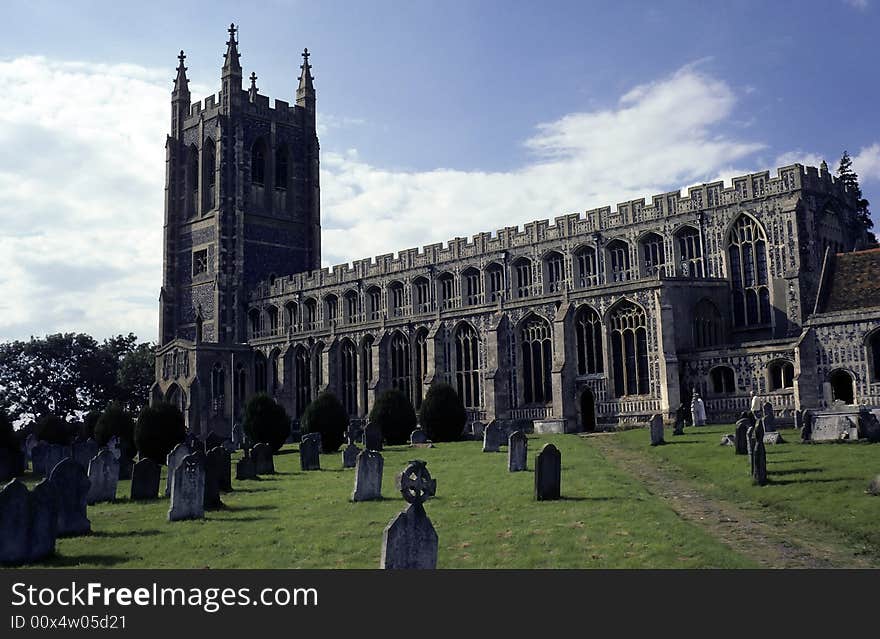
[{"x": 242, "y": 200}]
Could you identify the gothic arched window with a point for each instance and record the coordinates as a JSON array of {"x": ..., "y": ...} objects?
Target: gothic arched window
[
  {"x": 523, "y": 269},
  {"x": 873, "y": 343},
  {"x": 374, "y": 303},
  {"x": 421, "y": 295},
  {"x": 588, "y": 330},
  {"x": 366, "y": 368},
  {"x": 192, "y": 176},
  {"x": 723, "y": 382},
  {"x": 259, "y": 373},
  {"x": 290, "y": 314},
  {"x": 747, "y": 253},
  {"x": 239, "y": 387},
  {"x": 629, "y": 347},
  {"x": 707, "y": 325},
  {"x": 209, "y": 161},
  {"x": 421, "y": 344},
  {"x": 401, "y": 364},
  {"x": 472, "y": 289},
  {"x": 618, "y": 261},
  {"x": 587, "y": 275},
  {"x": 331, "y": 308},
  {"x": 258, "y": 162},
  {"x": 395, "y": 292},
  {"x": 494, "y": 281},
  {"x": 274, "y": 380},
  {"x": 310, "y": 316},
  {"x": 653, "y": 254},
  {"x": 554, "y": 272},
  {"x": 446, "y": 290},
  {"x": 254, "y": 321},
  {"x": 467, "y": 365},
  {"x": 348, "y": 354},
  {"x": 780, "y": 374},
  {"x": 218, "y": 387},
  {"x": 537, "y": 358},
  {"x": 302, "y": 365},
  {"x": 690, "y": 254},
  {"x": 351, "y": 307}
]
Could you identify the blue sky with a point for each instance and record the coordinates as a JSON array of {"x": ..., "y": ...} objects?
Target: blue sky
[{"x": 475, "y": 114}]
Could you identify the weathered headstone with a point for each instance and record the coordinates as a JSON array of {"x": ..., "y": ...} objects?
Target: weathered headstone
[
  {"x": 409, "y": 541},
  {"x": 681, "y": 417},
  {"x": 213, "y": 469},
  {"x": 114, "y": 447},
  {"x": 807, "y": 419},
  {"x": 368, "y": 476},
  {"x": 750, "y": 439},
  {"x": 43, "y": 527},
  {"x": 769, "y": 417},
  {"x": 39, "y": 455},
  {"x": 126, "y": 465},
  {"x": 517, "y": 451},
  {"x": 773, "y": 438},
  {"x": 417, "y": 437},
  {"x": 309, "y": 452},
  {"x": 70, "y": 481},
  {"x": 349, "y": 456},
  {"x": 188, "y": 489},
  {"x": 476, "y": 429},
  {"x": 741, "y": 435},
  {"x": 145, "y": 477},
  {"x": 173, "y": 461},
  {"x": 55, "y": 453},
  {"x": 373, "y": 437},
  {"x": 548, "y": 473},
  {"x": 759, "y": 474},
  {"x": 84, "y": 451},
  {"x": 492, "y": 438},
  {"x": 103, "y": 476},
  {"x": 14, "y": 518},
  {"x": 237, "y": 435},
  {"x": 263, "y": 460},
  {"x": 245, "y": 468},
  {"x": 224, "y": 462},
  {"x": 656, "y": 425}
]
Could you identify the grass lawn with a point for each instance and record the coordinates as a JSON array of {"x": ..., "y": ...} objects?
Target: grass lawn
[
  {"x": 824, "y": 483},
  {"x": 485, "y": 518}
]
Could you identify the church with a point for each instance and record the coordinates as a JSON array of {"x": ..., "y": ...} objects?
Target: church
[{"x": 589, "y": 321}]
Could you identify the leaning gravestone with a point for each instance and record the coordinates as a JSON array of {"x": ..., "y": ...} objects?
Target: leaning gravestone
[
  {"x": 368, "y": 476},
  {"x": 84, "y": 451},
  {"x": 517, "y": 451},
  {"x": 656, "y": 425},
  {"x": 492, "y": 438},
  {"x": 409, "y": 541},
  {"x": 43, "y": 525},
  {"x": 213, "y": 464},
  {"x": 548, "y": 473},
  {"x": 145, "y": 477},
  {"x": 349, "y": 456},
  {"x": 103, "y": 476},
  {"x": 759, "y": 472},
  {"x": 309, "y": 452},
  {"x": 224, "y": 463},
  {"x": 173, "y": 461},
  {"x": 769, "y": 420},
  {"x": 373, "y": 437},
  {"x": 245, "y": 468},
  {"x": 188, "y": 489},
  {"x": 72, "y": 484},
  {"x": 263, "y": 461},
  {"x": 14, "y": 518}
]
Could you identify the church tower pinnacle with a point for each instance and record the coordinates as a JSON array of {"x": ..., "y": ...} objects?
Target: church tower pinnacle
[
  {"x": 179, "y": 97},
  {"x": 305, "y": 92},
  {"x": 231, "y": 73}
]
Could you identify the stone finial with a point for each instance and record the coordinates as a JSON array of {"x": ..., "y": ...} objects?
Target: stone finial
[
  {"x": 231, "y": 65},
  {"x": 305, "y": 92},
  {"x": 181, "y": 83}
]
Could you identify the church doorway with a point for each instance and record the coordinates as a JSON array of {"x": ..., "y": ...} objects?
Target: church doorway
[
  {"x": 588, "y": 411},
  {"x": 842, "y": 387}
]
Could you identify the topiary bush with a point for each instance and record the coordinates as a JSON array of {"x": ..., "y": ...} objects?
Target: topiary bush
[
  {"x": 52, "y": 430},
  {"x": 442, "y": 414},
  {"x": 265, "y": 420},
  {"x": 116, "y": 421},
  {"x": 159, "y": 428},
  {"x": 395, "y": 415},
  {"x": 326, "y": 415}
]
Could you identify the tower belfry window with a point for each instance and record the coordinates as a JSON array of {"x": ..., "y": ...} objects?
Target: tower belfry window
[{"x": 258, "y": 164}]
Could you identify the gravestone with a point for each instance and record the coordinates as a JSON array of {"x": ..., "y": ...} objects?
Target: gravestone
[
  {"x": 39, "y": 453},
  {"x": 55, "y": 453},
  {"x": 741, "y": 439},
  {"x": 212, "y": 441},
  {"x": 409, "y": 541},
  {"x": 656, "y": 425},
  {"x": 681, "y": 416},
  {"x": 72, "y": 484},
  {"x": 492, "y": 438},
  {"x": 83, "y": 452},
  {"x": 213, "y": 469},
  {"x": 309, "y": 452},
  {"x": 769, "y": 420},
  {"x": 14, "y": 518},
  {"x": 418, "y": 437},
  {"x": 245, "y": 468},
  {"x": 807, "y": 419},
  {"x": 188, "y": 489},
  {"x": 113, "y": 447},
  {"x": 237, "y": 436},
  {"x": 145, "y": 477},
  {"x": 773, "y": 438},
  {"x": 869, "y": 425},
  {"x": 477, "y": 428},
  {"x": 126, "y": 464},
  {"x": 229, "y": 446},
  {"x": 517, "y": 451},
  {"x": 759, "y": 474},
  {"x": 173, "y": 461},
  {"x": 368, "y": 476},
  {"x": 103, "y": 476},
  {"x": 750, "y": 439},
  {"x": 548, "y": 473},
  {"x": 349, "y": 456},
  {"x": 373, "y": 437},
  {"x": 43, "y": 525},
  {"x": 224, "y": 463},
  {"x": 263, "y": 461}
]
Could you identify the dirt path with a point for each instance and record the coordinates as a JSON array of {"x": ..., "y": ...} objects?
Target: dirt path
[{"x": 771, "y": 539}]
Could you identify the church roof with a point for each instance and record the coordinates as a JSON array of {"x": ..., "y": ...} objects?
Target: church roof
[{"x": 854, "y": 282}]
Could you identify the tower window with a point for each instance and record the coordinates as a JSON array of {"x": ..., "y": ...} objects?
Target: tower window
[
  {"x": 200, "y": 262},
  {"x": 258, "y": 163},
  {"x": 281, "y": 168}
]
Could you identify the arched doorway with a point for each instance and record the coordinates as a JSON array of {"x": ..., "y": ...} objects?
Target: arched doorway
[
  {"x": 842, "y": 387},
  {"x": 588, "y": 411}
]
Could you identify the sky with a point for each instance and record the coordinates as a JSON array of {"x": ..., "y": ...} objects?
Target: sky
[{"x": 436, "y": 120}]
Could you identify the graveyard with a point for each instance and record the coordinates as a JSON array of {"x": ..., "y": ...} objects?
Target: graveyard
[{"x": 617, "y": 508}]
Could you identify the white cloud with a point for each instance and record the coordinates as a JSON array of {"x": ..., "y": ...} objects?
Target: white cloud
[
  {"x": 83, "y": 185},
  {"x": 866, "y": 163},
  {"x": 861, "y": 5}
]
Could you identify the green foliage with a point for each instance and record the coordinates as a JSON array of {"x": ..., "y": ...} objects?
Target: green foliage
[
  {"x": 89, "y": 421},
  {"x": 116, "y": 421},
  {"x": 53, "y": 430},
  {"x": 394, "y": 414},
  {"x": 265, "y": 420},
  {"x": 851, "y": 179},
  {"x": 135, "y": 374},
  {"x": 442, "y": 414},
  {"x": 326, "y": 415},
  {"x": 159, "y": 428}
]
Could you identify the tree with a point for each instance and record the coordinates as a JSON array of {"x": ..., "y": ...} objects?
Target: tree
[
  {"x": 442, "y": 414},
  {"x": 53, "y": 430},
  {"x": 851, "y": 180},
  {"x": 265, "y": 420},
  {"x": 136, "y": 374},
  {"x": 395, "y": 415},
  {"x": 159, "y": 428},
  {"x": 115, "y": 421},
  {"x": 7, "y": 434},
  {"x": 89, "y": 421},
  {"x": 326, "y": 415}
]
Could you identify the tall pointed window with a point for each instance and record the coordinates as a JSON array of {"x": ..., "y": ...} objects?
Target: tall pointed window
[
  {"x": 446, "y": 290},
  {"x": 653, "y": 254},
  {"x": 747, "y": 254},
  {"x": 421, "y": 344},
  {"x": 471, "y": 289},
  {"x": 374, "y": 303},
  {"x": 258, "y": 162},
  {"x": 218, "y": 388},
  {"x": 588, "y": 329},
  {"x": 259, "y": 373},
  {"x": 523, "y": 269},
  {"x": 396, "y": 293},
  {"x": 629, "y": 348},
  {"x": 618, "y": 261},
  {"x": 193, "y": 179},
  {"x": 274, "y": 379},
  {"x": 401, "y": 370},
  {"x": 302, "y": 366},
  {"x": 467, "y": 365},
  {"x": 281, "y": 167},
  {"x": 554, "y": 273},
  {"x": 421, "y": 295},
  {"x": 494, "y": 281},
  {"x": 348, "y": 354},
  {"x": 366, "y": 369},
  {"x": 351, "y": 307},
  {"x": 587, "y": 275},
  {"x": 690, "y": 253},
  {"x": 537, "y": 357},
  {"x": 209, "y": 162}
]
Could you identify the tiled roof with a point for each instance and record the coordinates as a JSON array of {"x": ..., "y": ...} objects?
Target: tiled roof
[{"x": 854, "y": 281}]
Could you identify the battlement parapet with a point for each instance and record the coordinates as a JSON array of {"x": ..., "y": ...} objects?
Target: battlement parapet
[{"x": 281, "y": 111}]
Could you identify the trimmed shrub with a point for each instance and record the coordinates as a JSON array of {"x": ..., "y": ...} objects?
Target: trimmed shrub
[
  {"x": 115, "y": 421},
  {"x": 326, "y": 415},
  {"x": 52, "y": 430},
  {"x": 159, "y": 428},
  {"x": 265, "y": 420},
  {"x": 395, "y": 415},
  {"x": 442, "y": 414}
]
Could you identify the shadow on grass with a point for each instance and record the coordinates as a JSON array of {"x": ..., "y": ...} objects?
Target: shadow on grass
[
  {"x": 796, "y": 471},
  {"x": 785, "y": 482},
  {"x": 237, "y": 519},
  {"x": 64, "y": 561},
  {"x": 125, "y": 533},
  {"x": 239, "y": 509}
]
